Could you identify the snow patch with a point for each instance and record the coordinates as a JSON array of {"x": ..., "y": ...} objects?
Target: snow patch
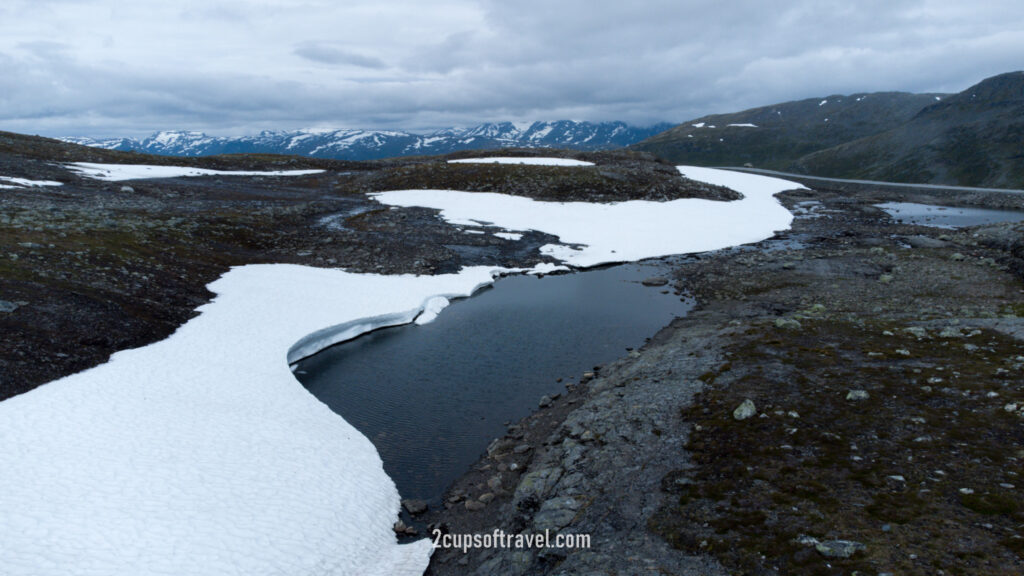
[
  {"x": 25, "y": 183},
  {"x": 547, "y": 268},
  {"x": 623, "y": 231},
  {"x": 822, "y": 103},
  {"x": 745, "y": 125},
  {"x": 119, "y": 172},
  {"x": 201, "y": 454},
  {"x": 542, "y": 132},
  {"x": 698, "y": 125},
  {"x": 431, "y": 309},
  {"x": 509, "y": 236},
  {"x": 528, "y": 161}
]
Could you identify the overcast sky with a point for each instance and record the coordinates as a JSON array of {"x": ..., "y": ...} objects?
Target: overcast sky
[{"x": 232, "y": 67}]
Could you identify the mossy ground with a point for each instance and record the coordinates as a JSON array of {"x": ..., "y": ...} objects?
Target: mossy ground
[{"x": 925, "y": 472}]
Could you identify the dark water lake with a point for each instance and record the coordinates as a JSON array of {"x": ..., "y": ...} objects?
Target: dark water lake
[
  {"x": 432, "y": 397},
  {"x": 948, "y": 216}
]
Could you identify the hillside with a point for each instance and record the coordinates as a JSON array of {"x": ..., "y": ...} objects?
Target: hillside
[
  {"x": 973, "y": 138},
  {"x": 776, "y": 136},
  {"x": 970, "y": 139},
  {"x": 376, "y": 144}
]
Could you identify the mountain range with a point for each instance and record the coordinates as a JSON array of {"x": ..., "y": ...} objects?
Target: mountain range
[
  {"x": 973, "y": 138},
  {"x": 374, "y": 144}
]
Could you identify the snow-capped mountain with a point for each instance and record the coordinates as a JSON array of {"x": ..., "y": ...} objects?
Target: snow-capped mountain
[{"x": 371, "y": 144}]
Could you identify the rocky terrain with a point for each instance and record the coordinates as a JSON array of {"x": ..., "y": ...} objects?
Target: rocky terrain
[{"x": 846, "y": 397}]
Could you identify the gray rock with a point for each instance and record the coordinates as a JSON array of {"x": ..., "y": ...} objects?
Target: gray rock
[
  {"x": 127, "y": 189},
  {"x": 556, "y": 513},
  {"x": 745, "y": 410},
  {"x": 536, "y": 484},
  {"x": 788, "y": 324},
  {"x": 857, "y": 395},
  {"x": 654, "y": 281},
  {"x": 545, "y": 401},
  {"x": 522, "y": 449},
  {"x": 414, "y": 507},
  {"x": 917, "y": 332},
  {"x": 401, "y": 528},
  {"x": 475, "y": 505},
  {"x": 924, "y": 242},
  {"x": 572, "y": 452},
  {"x": 839, "y": 548},
  {"x": 6, "y": 306}
]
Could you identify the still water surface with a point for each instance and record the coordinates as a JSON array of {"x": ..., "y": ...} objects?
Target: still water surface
[
  {"x": 948, "y": 216},
  {"x": 432, "y": 397}
]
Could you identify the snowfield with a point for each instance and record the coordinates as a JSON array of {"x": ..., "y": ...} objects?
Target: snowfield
[
  {"x": 120, "y": 172},
  {"x": 622, "y": 231},
  {"x": 528, "y": 161},
  {"x": 11, "y": 182},
  {"x": 202, "y": 455}
]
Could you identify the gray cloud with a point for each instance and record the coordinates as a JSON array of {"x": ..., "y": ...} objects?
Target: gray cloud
[
  {"x": 333, "y": 55},
  {"x": 228, "y": 66}
]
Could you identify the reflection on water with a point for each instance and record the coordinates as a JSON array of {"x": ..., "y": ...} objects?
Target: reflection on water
[
  {"x": 432, "y": 397},
  {"x": 947, "y": 216}
]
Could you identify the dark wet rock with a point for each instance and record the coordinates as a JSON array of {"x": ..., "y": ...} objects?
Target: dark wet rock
[
  {"x": 414, "y": 507},
  {"x": 402, "y": 529},
  {"x": 654, "y": 281}
]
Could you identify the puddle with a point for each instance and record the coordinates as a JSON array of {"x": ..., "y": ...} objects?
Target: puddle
[{"x": 947, "y": 216}]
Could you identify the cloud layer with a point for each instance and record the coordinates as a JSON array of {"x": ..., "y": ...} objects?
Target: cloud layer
[{"x": 104, "y": 67}]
